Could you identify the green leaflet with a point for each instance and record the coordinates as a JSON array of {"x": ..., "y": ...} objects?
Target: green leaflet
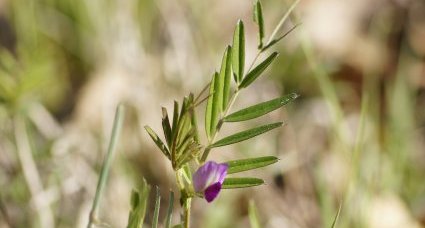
[
  {"x": 241, "y": 182},
  {"x": 193, "y": 119},
  {"x": 244, "y": 135},
  {"x": 226, "y": 76},
  {"x": 184, "y": 124},
  {"x": 209, "y": 108},
  {"x": 166, "y": 126},
  {"x": 258, "y": 18},
  {"x": 138, "y": 201},
  {"x": 214, "y": 105},
  {"x": 238, "y": 52},
  {"x": 158, "y": 141},
  {"x": 260, "y": 109},
  {"x": 157, "y": 206},
  {"x": 256, "y": 72},
  {"x": 237, "y": 166}
]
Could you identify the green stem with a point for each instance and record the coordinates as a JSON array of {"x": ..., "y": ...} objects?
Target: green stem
[
  {"x": 185, "y": 199},
  {"x": 255, "y": 59},
  {"x": 106, "y": 165},
  {"x": 186, "y": 213},
  {"x": 282, "y": 20},
  {"x": 219, "y": 124}
]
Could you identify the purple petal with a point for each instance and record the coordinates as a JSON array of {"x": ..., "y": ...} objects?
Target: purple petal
[
  {"x": 209, "y": 174},
  {"x": 221, "y": 172},
  {"x": 212, "y": 192}
]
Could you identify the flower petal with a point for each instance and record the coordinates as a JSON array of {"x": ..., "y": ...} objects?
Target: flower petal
[
  {"x": 212, "y": 192},
  {"x": 209, "y": 174},
  {"x": 221, "y": 172}
]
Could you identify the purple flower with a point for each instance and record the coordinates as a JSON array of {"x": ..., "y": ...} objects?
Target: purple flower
[{"x": 209, "y": 178}]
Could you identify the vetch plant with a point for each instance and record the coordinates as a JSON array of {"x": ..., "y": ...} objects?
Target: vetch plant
[{"x": 196, "y": 177}]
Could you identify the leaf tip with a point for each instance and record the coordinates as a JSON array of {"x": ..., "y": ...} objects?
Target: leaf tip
[
  {"x": 164, "y": 112},
  {"x": 239, "y": 23}
]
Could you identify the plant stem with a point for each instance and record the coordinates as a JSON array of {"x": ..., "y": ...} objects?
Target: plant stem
[
  {"x": 219, "y": 124},
  {"x": 186, "y": 213},
  {"x": 31, "y": 175},
  {"x": 106, "y": 165},
  {"x": 185, "y": 198},
  {"x": 279, "y": 25},
  {"x": 255, "y": 59}
]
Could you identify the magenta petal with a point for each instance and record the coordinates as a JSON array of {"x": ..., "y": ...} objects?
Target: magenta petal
[
  {"x": 212, "y": 192},
  {"x": 209, "y": 174}
]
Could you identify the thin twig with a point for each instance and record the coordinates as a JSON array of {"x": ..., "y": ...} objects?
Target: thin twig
[{"x": 116, "y": 130}]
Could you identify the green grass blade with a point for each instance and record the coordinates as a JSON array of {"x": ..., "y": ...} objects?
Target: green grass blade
[
  {"x": 244, "y": 135},
  {"x": 241, "y": 182},
  {"x": 256, "y": 72},
  {"x": 158, "y": 141},
  {"x": 336, "y": 216},
  {"x": 253, "y": 215},
  {"x": 157, "y": 206},
  {"x": 238, "y": 52},
  {"x": 260, "y": 109},
  {"x": 169, "y": 211},
  {"x": 226, "y": 75},
  {"x": 104, "y": 173},
  {"x": 258, "y": 18},
  {"x": 209, "y": 108},
  {"x": 237, "y": 166}
]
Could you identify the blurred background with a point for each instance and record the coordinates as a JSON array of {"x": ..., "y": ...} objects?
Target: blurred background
[{"x": 355, "y": 137}]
